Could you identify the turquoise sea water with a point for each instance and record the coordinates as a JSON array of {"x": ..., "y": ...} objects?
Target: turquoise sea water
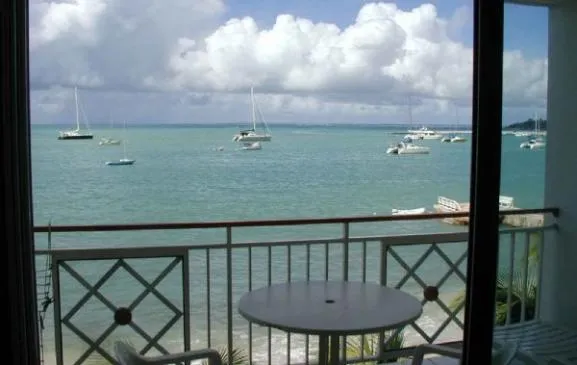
[{"x": 180, "y": 176}]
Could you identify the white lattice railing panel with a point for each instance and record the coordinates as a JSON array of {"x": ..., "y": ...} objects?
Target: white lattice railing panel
[
  {"x": 436, "y": 273},
  {"x": 92, "y": 312}
]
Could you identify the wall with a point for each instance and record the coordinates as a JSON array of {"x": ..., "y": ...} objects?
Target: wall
[{"x": 559, "y": 293}]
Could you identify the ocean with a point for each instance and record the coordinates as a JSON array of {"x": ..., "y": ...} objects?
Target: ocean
[{"x": 196, "y": 174}]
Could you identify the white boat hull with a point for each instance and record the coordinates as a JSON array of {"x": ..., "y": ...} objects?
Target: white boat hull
[
  {"x": 121, "y": 162},
  {"x": 431, "y": 136},
  {"x": 252, "y": 146},
  {"x": 533, "y": 145},
  {"x": 109, "y": 142},
  {"x": 75, "y": 134},
  {"x": 537, "y": 146},
  {"x": 252, "y": 138},
  {"x": 408, "y": 211},
  {"x": 425, "y": 133},
  {"x": 407, "y": 149},
  {"x": 458, "y": 140},
  {"x": 413, "y": 150}
]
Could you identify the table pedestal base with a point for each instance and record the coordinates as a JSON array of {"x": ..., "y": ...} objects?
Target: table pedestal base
[{"x": 329, "y": 350}]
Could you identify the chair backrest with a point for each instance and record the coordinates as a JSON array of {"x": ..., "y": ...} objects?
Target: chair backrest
[{"x": 127, "y": 355}]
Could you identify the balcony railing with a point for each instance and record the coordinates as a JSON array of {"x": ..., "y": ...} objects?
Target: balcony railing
[{"x": 180, "y": 297}]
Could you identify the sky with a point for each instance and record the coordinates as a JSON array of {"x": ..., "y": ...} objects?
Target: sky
[{"x": 320, "y": 61}]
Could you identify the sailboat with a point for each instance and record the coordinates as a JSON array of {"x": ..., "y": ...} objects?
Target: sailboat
[
  {"x": 534, "y": 142},
  {"x": 109, "y": 141},
  {"x": 124, "y": 160},
  {"x": 456, "y": 138},
  {"x": 75, "y": 133},
  {"x": 249, "y": 136},
  {"x": 406, "y": 145}
]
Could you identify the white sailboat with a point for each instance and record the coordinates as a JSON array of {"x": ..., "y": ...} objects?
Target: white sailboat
[
  {"x": 251, "y": 135},
  {"x": 124, "y": 160},
  {"x": 534, "y": 142},
  {"x": 406, "y": 146},
  {"x": 75, "y": 133},
  {"x": 456, "y": 138}
]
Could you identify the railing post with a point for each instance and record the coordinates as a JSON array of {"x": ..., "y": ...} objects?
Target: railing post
[
  {"x": 57, "y": 310},
  {"x": 541, "y": 244},
  {"x": 346, "y": 236},
  {"x": 510, "y": 277},
  {"x": 383, "y": 269},
  {"x": 229, "y": 290},
  {"x": 186, "y": 299},
  {"x": 525, "y": 274},
  {"x": 383, "y": 280},
  {"x": 346, "y": 242}
]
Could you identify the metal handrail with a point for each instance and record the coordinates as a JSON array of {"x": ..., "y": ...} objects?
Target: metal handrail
[{"x": 274, "y": 222}]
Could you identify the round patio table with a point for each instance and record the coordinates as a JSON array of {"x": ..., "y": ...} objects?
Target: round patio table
[{"x": 329, "y": 309}]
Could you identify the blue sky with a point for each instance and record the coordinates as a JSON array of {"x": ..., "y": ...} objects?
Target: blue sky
[
  {"x": 526, "y": 28},
  {"x": 138, "y": 61}
]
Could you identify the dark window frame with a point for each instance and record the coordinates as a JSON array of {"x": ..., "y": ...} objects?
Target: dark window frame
[
  {"x": 17, "y": 258},
  {"x": 483, "y": 246}
]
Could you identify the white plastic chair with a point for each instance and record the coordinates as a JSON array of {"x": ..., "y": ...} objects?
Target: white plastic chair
[
  {"x": 503, "y": 353},
  {"x": 127, "y": 355}
]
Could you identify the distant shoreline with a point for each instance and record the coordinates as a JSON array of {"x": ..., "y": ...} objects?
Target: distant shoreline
[{"x": 526, "y": 125}]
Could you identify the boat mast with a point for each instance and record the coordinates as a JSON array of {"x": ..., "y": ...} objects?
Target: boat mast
[
  {"x": 253, "y": 109},
  {"x": 76, "y": 103},
  {"x": 124, "y": 139},
  {"x": 410, "y": 112}
]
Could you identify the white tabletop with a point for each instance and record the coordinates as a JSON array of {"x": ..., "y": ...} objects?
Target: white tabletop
[{"x": 330, "y": 307}]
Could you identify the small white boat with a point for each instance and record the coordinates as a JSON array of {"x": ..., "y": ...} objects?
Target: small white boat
[
  {"x": 533, "y": 144},
  {"x": 255, "y": 146},
  {"x": 109, "y": 142},
  {"x": 121, "y": 162},
  {"x": 407, "y": 148},
  {"x": 458, "y": 139},
  {"x": 453, "y": 138},
  {"x": 426, "y": 133},
  {"x": 408, "y": 211}
]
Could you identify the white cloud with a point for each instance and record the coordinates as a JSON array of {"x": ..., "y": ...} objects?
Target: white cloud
[
  {"x": 112, "y": 44},
  {"x": 385, "y": 51},
  {"x": 53, "y": 20},
  {"x": 365, "y": 69}
]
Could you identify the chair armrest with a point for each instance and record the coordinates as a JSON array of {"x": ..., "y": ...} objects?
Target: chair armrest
[
  {"x": 421, "y": 350},
  {"x": 556, "y": 360},
  {"x": 212, "y": 355}
]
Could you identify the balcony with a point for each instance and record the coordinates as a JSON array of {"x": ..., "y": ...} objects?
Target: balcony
[{"x": 184, "y": 296}]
